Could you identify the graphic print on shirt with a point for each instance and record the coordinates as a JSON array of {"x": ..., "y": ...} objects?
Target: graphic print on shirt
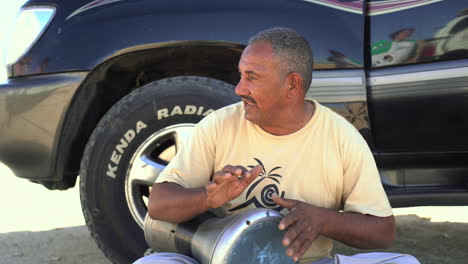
[{"x": 265, "y": 200}]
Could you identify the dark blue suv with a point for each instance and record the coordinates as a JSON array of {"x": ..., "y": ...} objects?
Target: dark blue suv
[{"x": 109, "y": 89}]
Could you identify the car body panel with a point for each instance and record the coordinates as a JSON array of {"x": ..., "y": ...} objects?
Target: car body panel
[
  {"x": 420, "y": 109},
  {"x": 117, "y": 26},
  {"x": 31, "y": 114},
  {"x": 418, "y": 90}
]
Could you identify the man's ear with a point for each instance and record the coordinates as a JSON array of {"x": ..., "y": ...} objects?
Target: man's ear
[{"x": 295, "y": 84}]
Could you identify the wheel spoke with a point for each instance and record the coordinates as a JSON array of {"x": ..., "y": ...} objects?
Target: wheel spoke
[{"x": 145, "y": 171}]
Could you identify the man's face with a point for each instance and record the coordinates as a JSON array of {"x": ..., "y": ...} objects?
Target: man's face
[{"x": 262, "y": 85}]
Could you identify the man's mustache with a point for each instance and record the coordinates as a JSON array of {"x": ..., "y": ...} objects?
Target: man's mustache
[{"x": 248, "y": 98}]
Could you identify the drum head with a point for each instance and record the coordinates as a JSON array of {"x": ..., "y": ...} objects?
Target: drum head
[{"x": 259, "y": 244}]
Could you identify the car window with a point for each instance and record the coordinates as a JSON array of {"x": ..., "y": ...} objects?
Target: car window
[{"x": 412, "y": 32}]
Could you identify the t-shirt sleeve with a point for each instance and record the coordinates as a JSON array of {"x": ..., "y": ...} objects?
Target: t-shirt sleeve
[
  {"x": 362, "y": 189},
  {"x": 193, "y": 163}
]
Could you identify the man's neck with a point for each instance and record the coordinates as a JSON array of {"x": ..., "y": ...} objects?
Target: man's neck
[{"x": 291, "y": 121}]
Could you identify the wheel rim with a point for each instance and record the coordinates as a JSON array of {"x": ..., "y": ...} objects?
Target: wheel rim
[{"x": 148, "y": 162}]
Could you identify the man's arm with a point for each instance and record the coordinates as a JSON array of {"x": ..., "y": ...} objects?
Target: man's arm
[
  {"x": 359, "y": 230},
  {"x": 306, "y": 222},
  {"x": 173, "y": 203}
]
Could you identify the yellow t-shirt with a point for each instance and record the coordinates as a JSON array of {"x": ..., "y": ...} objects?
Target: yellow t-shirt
[{"x": 326, "y": 163}]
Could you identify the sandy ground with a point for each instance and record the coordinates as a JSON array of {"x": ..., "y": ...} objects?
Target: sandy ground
[{"x": 39, "y": 226}]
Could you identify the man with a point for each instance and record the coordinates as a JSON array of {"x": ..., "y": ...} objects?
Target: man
[{"x": 314, "y": 161}]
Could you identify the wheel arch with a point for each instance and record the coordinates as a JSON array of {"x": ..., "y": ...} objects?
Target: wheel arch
[{"x": 127, "y": 70}]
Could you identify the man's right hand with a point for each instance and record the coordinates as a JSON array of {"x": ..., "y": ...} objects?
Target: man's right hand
[{"x": 229, "y": 183}]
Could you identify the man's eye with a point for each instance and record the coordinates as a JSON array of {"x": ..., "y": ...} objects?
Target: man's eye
[{"x": 251, "y": 78}]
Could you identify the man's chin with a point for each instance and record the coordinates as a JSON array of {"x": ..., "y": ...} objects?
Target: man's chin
[
  {"x": 250, "y": 112},
  {"x": 250, "y": 117}
]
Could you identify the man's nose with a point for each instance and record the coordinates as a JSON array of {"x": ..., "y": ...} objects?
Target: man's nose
[{"x": 241, "y": 89}]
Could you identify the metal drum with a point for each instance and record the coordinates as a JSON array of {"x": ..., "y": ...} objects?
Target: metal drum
[{"x": 249, "y": 237}]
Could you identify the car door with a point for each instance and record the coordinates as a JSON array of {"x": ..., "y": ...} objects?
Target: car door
[{"x": 418, "y": 81}]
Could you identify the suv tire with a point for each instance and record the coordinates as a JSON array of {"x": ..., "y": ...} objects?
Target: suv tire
[{"x": 139, "y": 130}]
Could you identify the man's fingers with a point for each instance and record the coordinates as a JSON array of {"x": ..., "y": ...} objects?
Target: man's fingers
[
  {"x": 241, "y": 170},
  {"x": 255, "y": 171},
  {"x": 284, "y": 202},
  {"x": 301, "y": 242},
  {"x": 235, "y": 170},
  {"x": 228, "y": 168},
  {"x": 294, "y": 230},
  {"x": 288, "y": 220},
  {"x": 221, "y": 177},
  {"x": 303, "y": 249},
  {"x": 211, "y": 186},
  {"x": 294, "y": 247},
  {"x": 250, "y": 177},
  {"x": 306, "y": 239}
]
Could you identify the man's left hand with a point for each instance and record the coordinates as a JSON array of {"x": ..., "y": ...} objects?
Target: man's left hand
[{"x": 304, "y": 223}]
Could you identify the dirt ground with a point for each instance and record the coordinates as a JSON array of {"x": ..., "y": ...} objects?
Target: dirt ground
[
  {"x": 38, "y": 226},
  {"x": 430, "y": 242}
]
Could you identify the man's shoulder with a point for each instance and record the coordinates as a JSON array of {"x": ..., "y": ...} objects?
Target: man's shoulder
[
  {"x": 329, "y": 115},
  {"x": 334, "y": 120},
  {"x": 230, "y": 111}
]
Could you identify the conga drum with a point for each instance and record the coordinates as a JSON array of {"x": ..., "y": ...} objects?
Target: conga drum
[{"x": 249, "y": 237}]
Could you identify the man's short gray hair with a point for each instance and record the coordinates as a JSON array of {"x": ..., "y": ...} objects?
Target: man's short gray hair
[{"x": 292, "y": 49}]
